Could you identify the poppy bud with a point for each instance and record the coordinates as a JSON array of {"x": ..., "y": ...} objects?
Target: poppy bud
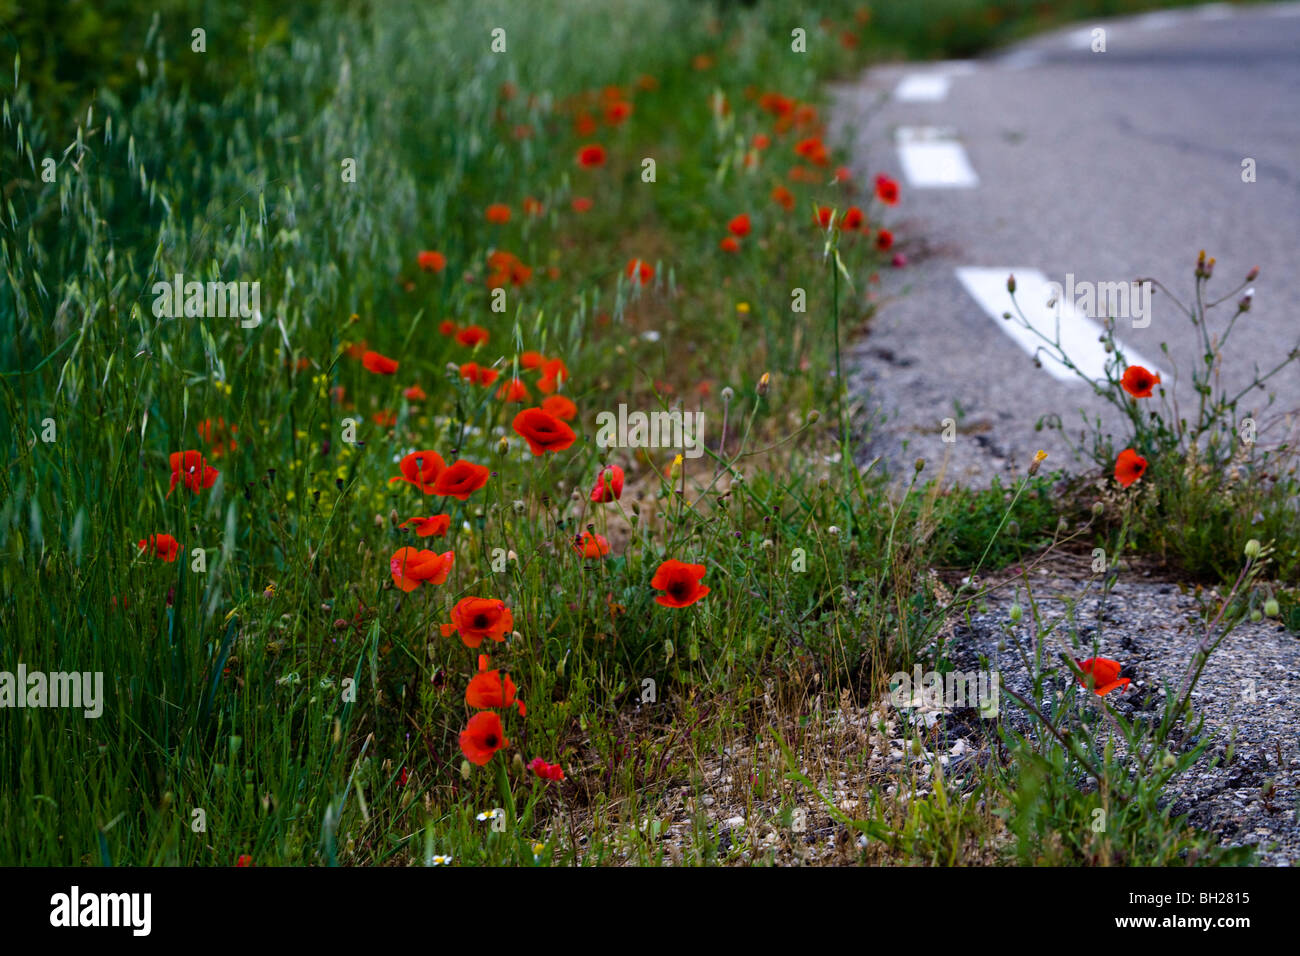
[
  {"x": 919, "y": 465},
  {"x": 1098, "y": 509},
  {"x": 1271, "y": 608},
  {"x": 1253, "y": 274},
  {"x": 1255, "y": 617},
  {"x": 1015, "y": 613},
  {"x": 503, "y": 445},
  {"x": 392, "y": 517},
  {"x": 813, "y": 416},
  {"x": 1244, "y": 303},
  {"x": 1011, "y": 284},
  {"x": 1168, "y": 760},
  {"x": 764, "y": 383},
  {"x": 517, "y": 765},
  {"x": 1252, "y": 548},
  {"x": 465, "y": 770},
  {"x": 1209, "y": 268},
  {"x": 379, "y": 521}
]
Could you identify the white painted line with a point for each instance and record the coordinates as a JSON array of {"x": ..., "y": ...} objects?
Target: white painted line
[
  {"x": 1157, "y": 20},
  {"x": 934, "y": 159},
  {"x": 922, "y": 88},
  {"x": 1078, "y": 333},
  {"x": 1214, "y": 11},
  {"x": 954, "y": 67},
  {"x": 1021, "y": 59},
  {"x": 1080, "y": 39}
]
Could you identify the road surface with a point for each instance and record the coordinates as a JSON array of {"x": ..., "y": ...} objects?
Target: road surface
[{"x": 1053, "y": 159}]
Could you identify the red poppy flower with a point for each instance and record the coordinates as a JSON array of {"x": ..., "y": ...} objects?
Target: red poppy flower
[
  {"x": 637, "y": 269},
  {"x": 472, "y": 335},
  {"x": 560, "y": 407},
  {"x": 492, "y": 690},
  {"x": 245, "y": 860},
  {"x": 411, "y": 567},
  {"x": 555, "y": 369},
  {"x": 886, "y": 190},
  {"x": 581, "y": 204},
  {"x": 592, "y": 154},
  {"x": 475, "y": 618},
  {"x": 478, "y": 374},
  {"x": 1139, "y": 381},
  {"x": 784, "y": 197},
  {"x": 761, "y": 141},
  {"x": 729, "y": 244},
  {"x": 739, "y": 226},
  {"x": 680, "y": 583},
  {"x": 824, "y": 216},
  {"x": 513, "y": 391},
  {"x": 434, "y": 527},
  {"x": 884, "y": 239},
  {"x": 431, "y": 261},
  {"x": 609, "y": 484},
  {"x": 853, "y": 218},
  {"x": 414, "y": 394},
  {"x": 531, "y": 360},
  {"x": 1129, "y": 467},
  {"x": 1104, "y": 673},
  {"x": 379, "y": 364},
  {"x": 448, "y": 327},
  {"x": 813, "y": 150},
  {"x": 843, "y": 174},
  {"x": 543, "y": 431},
  {"x": 482, "y": 737},
  {"x": 218, "y": 436},
  {"x": 591, "y": 545},
  {"x": 460, "y": 480},
  {"x": 162, "y": 546},
  {"x": 498, "y": 213},
  {"x": 384, "y": 418},
  {"x": 193, "y": 469},
  {"x": 776, "y": 104},
  {"x": 421, "y": 469},
  {"x": 547, "y": 771},
  {"x": 617, "y": 112}
]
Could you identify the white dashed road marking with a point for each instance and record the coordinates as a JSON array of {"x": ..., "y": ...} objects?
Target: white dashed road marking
[
  {"x": 934, "y": 159},
  {"x": 1078, "y": 333},
  {"x": 922, "y": 88}
]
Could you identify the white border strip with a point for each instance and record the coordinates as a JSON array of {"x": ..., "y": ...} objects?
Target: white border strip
[
  {"x": 1078, "y": 334},
  {"x": 934, "y": 159}
]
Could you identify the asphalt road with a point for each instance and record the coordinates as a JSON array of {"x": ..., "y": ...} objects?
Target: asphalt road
[{"x": 1101, "y": 165}]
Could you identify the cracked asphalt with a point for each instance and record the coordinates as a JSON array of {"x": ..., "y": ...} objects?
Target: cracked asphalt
[{"x": 1104, "y": 165}]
